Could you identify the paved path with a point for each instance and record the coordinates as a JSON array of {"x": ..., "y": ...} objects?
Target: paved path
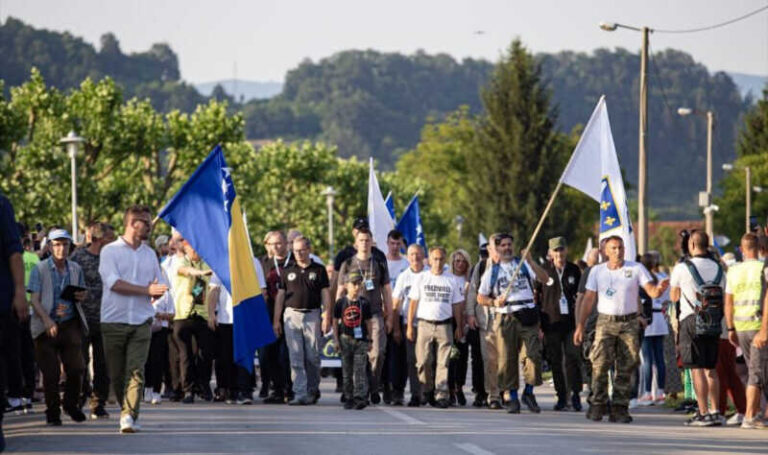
[{"x": 213, "y": 428}]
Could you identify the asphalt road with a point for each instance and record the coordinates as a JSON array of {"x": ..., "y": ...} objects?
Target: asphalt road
[{"x": 214, "y": 428}]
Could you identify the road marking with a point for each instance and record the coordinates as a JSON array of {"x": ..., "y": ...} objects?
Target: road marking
[
  {"x": 473, "y": 449},
  {"x": 402, "y": 416}
]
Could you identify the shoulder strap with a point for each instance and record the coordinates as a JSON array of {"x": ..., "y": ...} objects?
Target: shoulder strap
[{"x": 695, "y": 273}]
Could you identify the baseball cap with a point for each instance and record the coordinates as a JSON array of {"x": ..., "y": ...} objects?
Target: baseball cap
[
  {"x": 360, "y": 223},
  {"x": 353, "y": 277},
  {"x": 557, "y": 243},
  {"x": 56, "y": 234},
  {"x": 161, "y": 240}
]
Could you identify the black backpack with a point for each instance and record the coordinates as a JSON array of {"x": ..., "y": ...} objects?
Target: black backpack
[{"x": 712, "y": 297}]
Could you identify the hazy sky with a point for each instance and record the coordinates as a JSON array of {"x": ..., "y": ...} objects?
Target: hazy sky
[{"x": 265, "y": 38}]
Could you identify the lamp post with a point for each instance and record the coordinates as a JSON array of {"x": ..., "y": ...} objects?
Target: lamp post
[
  {"x": 329, "y": 194},
  {"x": 642, "y": 175},
  {"x": 708, "y": 214},
  {"x": 72, "y": 141},
  {"x": 748, "y": 188}
]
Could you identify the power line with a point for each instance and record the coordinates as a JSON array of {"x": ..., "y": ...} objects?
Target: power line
[
  {"x": 657, "y": 77},
  {"x": 712, "y": 27}
]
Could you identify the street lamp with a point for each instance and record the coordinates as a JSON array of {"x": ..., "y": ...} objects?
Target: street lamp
[
  {"x": 329, "y": 194},
  {"x": 642, "y": 178},
  {"x": 72, "y": 141},
  {"x": 748, "y": 188},
  {"x": 708, "y": 214}
]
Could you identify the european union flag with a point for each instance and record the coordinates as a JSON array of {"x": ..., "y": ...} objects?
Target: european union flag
[
  {"x": 206, "y": 211},
  {"x": 390, "y": 203},
  {"x": 410, "y": 224}
]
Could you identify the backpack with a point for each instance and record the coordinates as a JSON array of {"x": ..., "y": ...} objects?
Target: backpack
[{"x": 711, "y": 297}]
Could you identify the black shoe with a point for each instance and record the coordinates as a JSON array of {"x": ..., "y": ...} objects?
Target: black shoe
[
  {"x": 55, "y": 422},
  {"x": 495, "y": 405},
  {"x": 576, "y": 402},
  {"x": 561, "y": 405},
  {"x": 595, "y": 413},
  {"x": 387, "y": 396},
  {"x": 514, "y": 406},
  {"x": 316, "y": 397},
  {"x": 375, "y": 398},
  {"x": 479, "y": 402},
  {"x": 188, "y": 398},
  {"x": 620, "y": 414},
  {"x": 442, "y": 403},
  {"x": 207, "y": 396},
  {"x": 338, "y": 389},
  {"x": 460, "y": 398},
  {"x": 414, "y": 403},
  {"x": 343, "y": 398},
  {"x": 2, "y": 441},
  {"x": 529, "y": 400},
  {"x": 75, "y": 414},
  {"x": 429, "y": 398},
  {"x": 99, "y": 413},
  {"x": 264, "y": 392},
  {"x": 349, "y": 404},
  {"x": 219, "y": 398},
  {"x": 275, "y": 399},
  {"x": 361, "y": 404},
  {"x": 176, "y": 397}
]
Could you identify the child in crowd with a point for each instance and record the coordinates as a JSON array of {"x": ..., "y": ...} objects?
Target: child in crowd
[{"x": 353, "y": 328}]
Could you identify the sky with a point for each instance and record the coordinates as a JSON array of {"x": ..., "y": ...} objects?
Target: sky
[{"x": 262, "y": 39}]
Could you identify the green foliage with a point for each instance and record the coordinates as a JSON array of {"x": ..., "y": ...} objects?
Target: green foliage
[
  {"x": 498, "y": 170},
  {"x": 753, "y": 152},
  {"x": 132, "y": 153}
]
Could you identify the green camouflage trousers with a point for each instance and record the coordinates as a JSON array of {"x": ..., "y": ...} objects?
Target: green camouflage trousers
[
  {"x": 354, "y": 361},
  {"x": 616, "y": 345}
]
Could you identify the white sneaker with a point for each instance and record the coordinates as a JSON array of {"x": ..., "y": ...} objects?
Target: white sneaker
[
  {"x": 156, "y": 398},
  {"x": 752, "y": 424},
  {"x": 660, "y": 400},
  {"x": 645, "y": 400},
  {"x": 633, "y": 403},
  {"x": 147, "y": 395},
  {"x": 127, "y": 425},
  {"x": 735, "y": 419}
]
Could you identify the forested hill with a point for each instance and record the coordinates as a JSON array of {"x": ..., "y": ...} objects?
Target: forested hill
[{"x": 370, "y": 103}]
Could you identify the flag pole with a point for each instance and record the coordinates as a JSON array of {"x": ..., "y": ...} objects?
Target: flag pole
[{"x": 535, "y": 234}]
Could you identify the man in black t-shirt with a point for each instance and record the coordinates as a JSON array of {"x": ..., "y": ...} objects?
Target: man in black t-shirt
[
  {"x": 304, "y": 292},
  {"x": 352, "y": 328},
  {"x": 350, "y": 250}
]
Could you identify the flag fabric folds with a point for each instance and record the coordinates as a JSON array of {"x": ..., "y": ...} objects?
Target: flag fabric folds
[
  {"x": 390, "y": 203},
  {"x": 206, "y": 211},
  {"x": 594, "y": 170},
  {"x": 378, "y": 215},
  {"x": 410, "y": 224}
]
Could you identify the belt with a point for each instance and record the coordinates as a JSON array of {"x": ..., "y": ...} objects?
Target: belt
[
  {"x": 444, "y": 321},
  {"x": 518, "y": 302},
  {"x": 621, "y": 318},
  {"x": 304, "y": 310},
  {"x": 659, "y": 310}
]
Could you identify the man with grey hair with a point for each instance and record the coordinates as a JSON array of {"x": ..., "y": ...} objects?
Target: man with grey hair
[{"x": 304, "y": 292}]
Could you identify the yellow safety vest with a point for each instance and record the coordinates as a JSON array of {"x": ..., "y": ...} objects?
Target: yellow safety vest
[{"x": 744, "y": 280}]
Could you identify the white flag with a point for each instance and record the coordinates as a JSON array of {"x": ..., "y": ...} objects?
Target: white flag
[
  {"x": 481, "y": 240},
  {"x": 587, "y": 249},
  {"x": 594, "y": 170},
  {"x": 378, "y": 213}
]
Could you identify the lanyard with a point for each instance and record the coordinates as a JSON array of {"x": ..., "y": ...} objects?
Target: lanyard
[
  {"x": 285, "y": 263},
  {"x": 560, "y": 279},
  {"x": 370, "y": 265}
]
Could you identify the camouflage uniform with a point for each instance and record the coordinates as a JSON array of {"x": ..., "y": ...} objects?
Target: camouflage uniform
[
  {"x": 354, "y": 360},
  {"x": 616, "y": 345}
]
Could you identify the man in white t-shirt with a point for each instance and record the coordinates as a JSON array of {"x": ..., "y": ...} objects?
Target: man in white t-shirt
[
  {"x": 394, "y": 371},
  {"x": 435, "y": 299},
  {"x": 404, "y": 361},
  {"x": 616, "y": 286},
  {"x": 698, "y": 352},
  {"x": 516, "y": 321}
]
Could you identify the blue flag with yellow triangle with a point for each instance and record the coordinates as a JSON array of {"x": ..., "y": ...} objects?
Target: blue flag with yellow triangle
[{"x": 206, "y": 211}]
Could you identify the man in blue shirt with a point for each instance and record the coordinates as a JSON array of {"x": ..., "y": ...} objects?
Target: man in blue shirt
[
  {"x": 12, "y": 295},
  {"x": 58, "y": 326}
]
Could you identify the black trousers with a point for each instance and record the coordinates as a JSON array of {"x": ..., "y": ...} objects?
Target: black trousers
[
  {"x": 227, "y": 380},
  {"x": 157, "y": 360},
  {"x": 397, "y": 365},
  {"x": 559, "y": 349},
  {"x": 97, "y": 388},
  {"x": 195, "y": 364},
  {"x": 6, "y": 344},
  {"x": 478, "y": 370},
  {"x": 173, "y": 377},
  {"x": 275, "y": 366},
  {"x": 18, "y": 350}
]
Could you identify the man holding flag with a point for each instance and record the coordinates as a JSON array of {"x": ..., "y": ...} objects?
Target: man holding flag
[{"x": 206, "y": 211}]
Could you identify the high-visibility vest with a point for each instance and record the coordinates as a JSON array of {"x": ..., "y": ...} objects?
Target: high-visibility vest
[{"x": 744, "y": 281}]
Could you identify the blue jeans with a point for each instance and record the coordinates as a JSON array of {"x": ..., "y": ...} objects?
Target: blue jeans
[{"x": 653, "y": 354}]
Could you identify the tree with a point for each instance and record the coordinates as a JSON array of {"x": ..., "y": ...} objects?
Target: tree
[
  {"x": 518, "y": 157},
  {"x": 752, "y": 150}
]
